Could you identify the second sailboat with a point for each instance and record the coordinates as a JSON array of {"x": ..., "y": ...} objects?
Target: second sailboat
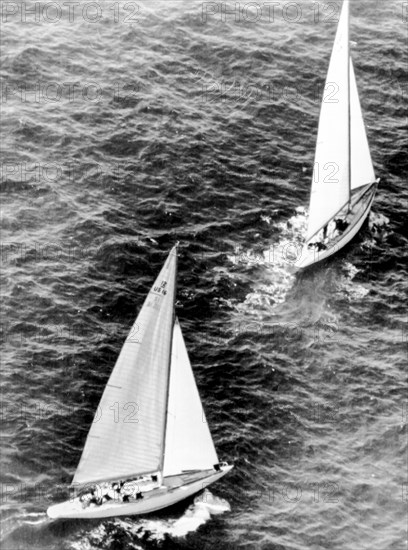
[{"x": 344, "y": 182}]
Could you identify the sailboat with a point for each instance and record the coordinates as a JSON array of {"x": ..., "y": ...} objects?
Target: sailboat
[
  {"x": 344, "y": 183},
  {"x": 149, "y": 445}
]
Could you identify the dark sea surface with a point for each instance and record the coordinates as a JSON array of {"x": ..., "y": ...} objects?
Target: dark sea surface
[{"x": 121, "y": 137}]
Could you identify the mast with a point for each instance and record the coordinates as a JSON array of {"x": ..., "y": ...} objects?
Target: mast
[
  {"x": 348, "y": 108},
  {"x": 169, "y": 363}
]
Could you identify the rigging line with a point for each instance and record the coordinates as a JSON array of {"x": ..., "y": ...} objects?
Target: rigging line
[
  {"x": 348, "y": 108},
  {"x": 169, "y": 363}
]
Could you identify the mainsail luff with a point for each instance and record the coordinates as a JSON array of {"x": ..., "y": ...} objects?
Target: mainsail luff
[{"x": 125, "y": 446}]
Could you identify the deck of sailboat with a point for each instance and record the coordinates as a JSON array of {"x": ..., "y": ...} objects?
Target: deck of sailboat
[
  {"x": 184, "y": 478},
  {"x": 355, "y": 215},
  {"x": 174, "y": 489}
]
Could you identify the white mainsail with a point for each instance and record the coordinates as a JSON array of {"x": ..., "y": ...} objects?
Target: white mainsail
[
  {"x": 330, "y": 185},
  {"x": 127, "y": 435},
  {"x": 362, "y": 171},
  {"x": 189, "y": 445}
]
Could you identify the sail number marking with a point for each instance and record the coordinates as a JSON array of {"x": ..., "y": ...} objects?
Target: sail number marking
[
  {"x": 161, "y": 288},
  {"x": 156, "y": 294}
]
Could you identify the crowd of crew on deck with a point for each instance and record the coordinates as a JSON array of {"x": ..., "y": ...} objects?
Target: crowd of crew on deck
[
  {"x": 328, "y": 232},
  {"x": 122, "y": 491}
]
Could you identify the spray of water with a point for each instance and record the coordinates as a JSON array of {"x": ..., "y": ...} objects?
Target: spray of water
[
  {"x": 278, "y": 260},
  {"x": 203, "y": 507}
]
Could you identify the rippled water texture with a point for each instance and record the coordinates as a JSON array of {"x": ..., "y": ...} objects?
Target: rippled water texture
[{"x": 121, "y": 137}]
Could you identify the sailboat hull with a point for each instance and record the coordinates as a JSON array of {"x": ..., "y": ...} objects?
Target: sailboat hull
[
  {"x": 360, "y": 209},
  {"x": 167, "y": 495}
]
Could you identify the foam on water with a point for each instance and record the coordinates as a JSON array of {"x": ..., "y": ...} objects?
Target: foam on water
[
  {"x": 35, "y": 518},
  {"x": 96, "y": 537},
  {"x": 278, "y": 260},
  {"x": 197, "y": 514},
  {"x": 350, "y": 288},
  {"x": 379, "y": 227}
]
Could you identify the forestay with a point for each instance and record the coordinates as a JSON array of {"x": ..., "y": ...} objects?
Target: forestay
[
  {"x": 362, "y": 171},
  {"x": 189, "y": 445},
  {"x": 127, "y": 435},
  {"x": 330, "y": 185}
]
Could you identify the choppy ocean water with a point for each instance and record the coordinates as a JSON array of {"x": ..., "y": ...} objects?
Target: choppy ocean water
[{"x": 128, "y": 126}]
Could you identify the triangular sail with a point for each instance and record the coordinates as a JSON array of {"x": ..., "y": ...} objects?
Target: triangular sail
[
  {"x": 189, "y": 445},
  {"x": 330, "y": 185},
  {"x": 362, "y": 171},
  {"x": 127, "y": 435}
]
